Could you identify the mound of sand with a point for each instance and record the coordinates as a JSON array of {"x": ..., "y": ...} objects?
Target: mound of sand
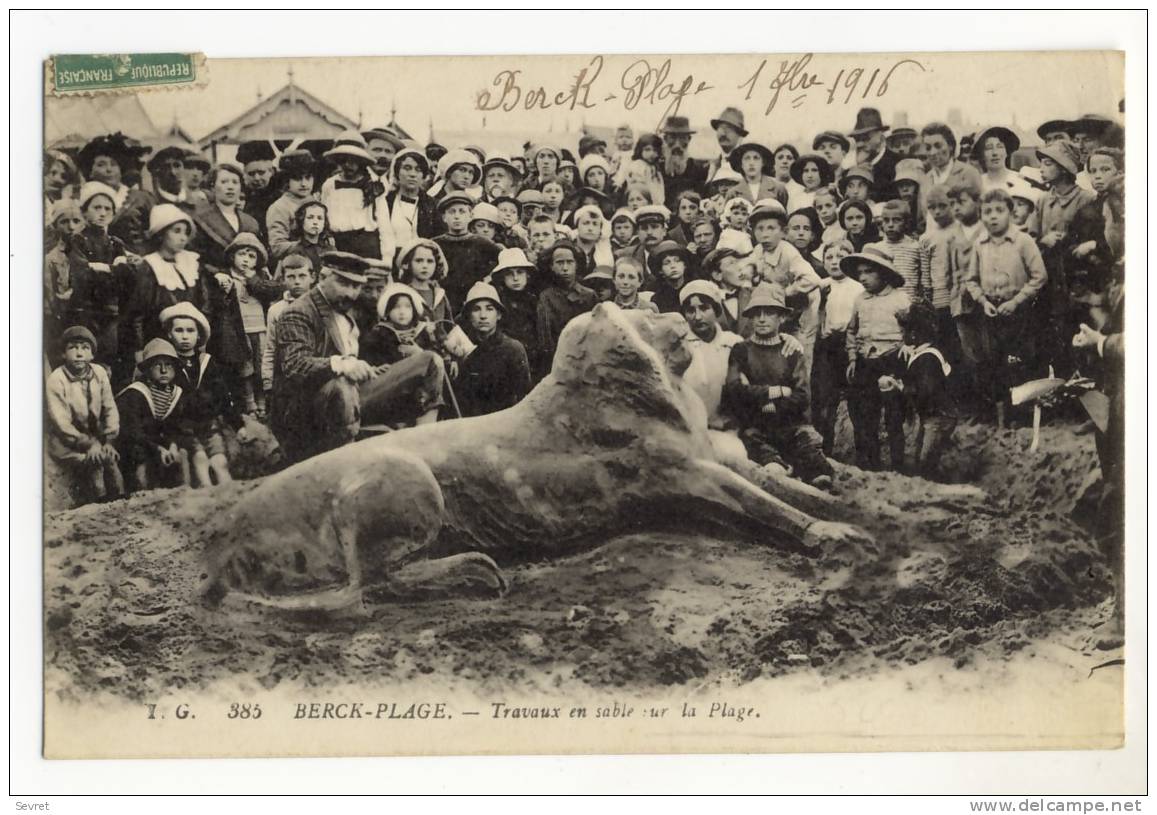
[{"x": 963, "y": 569}]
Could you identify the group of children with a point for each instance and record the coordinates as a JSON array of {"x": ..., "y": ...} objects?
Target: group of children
[{"x": 926, "y": 284}]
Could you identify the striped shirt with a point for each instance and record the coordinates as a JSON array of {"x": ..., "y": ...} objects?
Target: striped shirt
[{"x": 162, "y": 400}]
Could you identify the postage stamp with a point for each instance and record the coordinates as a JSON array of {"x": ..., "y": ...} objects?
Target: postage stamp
[{"x": 69, "y": 74}]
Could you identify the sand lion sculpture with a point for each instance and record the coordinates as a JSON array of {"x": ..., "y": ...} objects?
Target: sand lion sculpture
[{"x": 610, "y": 443}]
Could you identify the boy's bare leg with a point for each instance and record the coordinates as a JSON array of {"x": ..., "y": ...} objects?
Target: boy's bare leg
[
  {"x": 201, "y": 469},
  {"x": 141, "y": 477},
  {"x": 114, "y": 481},
  {"x": 219, "y": 466},
  {"x": 183, "y": 464}
]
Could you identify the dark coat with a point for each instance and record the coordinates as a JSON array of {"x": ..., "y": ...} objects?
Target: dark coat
[
  {"x": 214, "y": 233},
  {"x": 228, "y": 342},
  {"x": 301, "y": 363},
  {"x": 141, "y": 432},
  {"x": 131, "y": 222},
  {"x": 520, "y": 322},
  {"x": 208, "y": 397},
  {"x": 884, "y": 177},
  {"x": 494, "y": 377},
  {"x": 150, "y": 298},
  {"x": 429, "y": 224},
  {"x": 470, "y": 258},
  {"x": 694, "y": 177},
  {"x": 383, "y": 345}
]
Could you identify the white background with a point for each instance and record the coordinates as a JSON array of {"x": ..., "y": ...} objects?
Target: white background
[{"x": 34, "y": 36}]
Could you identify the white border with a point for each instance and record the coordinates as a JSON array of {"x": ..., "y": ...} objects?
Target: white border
[{"x": 35, "y": 35}]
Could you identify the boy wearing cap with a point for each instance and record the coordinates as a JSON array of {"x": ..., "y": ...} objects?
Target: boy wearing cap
[
  {"x": 904, "y": 250},
  {"x": 66, "y": 221},
  {"x": 469, "y": 256},
  {"x": 935, "y": 246},
  {"x": 1004, "y": 278},
  {"x": 623, "y": 237},
  {"x": 767, "y": 389},
  {"x": 833, "y": 146},
  {"x": 296, "y": 272},
  {"x": 152, "y": 417},
  {"x": 359, "y": 216},
  {"x": 296, "y": 173},
  {"x": 209, "y": 403},
  {"x": 701, "y": 303},
  {"x": 484, "y": 221},
  {"x": 83, "y": 421},
  {"x": 496, "y": 374},
  {"x": 563, "y": 299},
  {"x": 873, "y": 341}
]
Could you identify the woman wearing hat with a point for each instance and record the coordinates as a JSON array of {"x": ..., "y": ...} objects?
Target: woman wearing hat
[
  {"x": 544, "y": 161},
  {"x": 112, "y": 160},
  {"x": 595, "y": 173},
  {"x": 172, "y": 274},
  {"x": 496, "y": 374},
  {"x": 359, "y": 217},
  {"x": 754, "y": 162},
  {"x": 459, "y": 171},
  {"x": 993, "y": 151},
  {"x": 219, "y": 220},
  {"x": 413, "y": 213}
]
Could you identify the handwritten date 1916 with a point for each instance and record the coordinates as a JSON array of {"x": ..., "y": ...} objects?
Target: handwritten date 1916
[{"x": 796, "y": 79}]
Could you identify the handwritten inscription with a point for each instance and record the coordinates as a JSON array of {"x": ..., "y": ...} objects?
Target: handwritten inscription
[{"x": 643, "y": 84}]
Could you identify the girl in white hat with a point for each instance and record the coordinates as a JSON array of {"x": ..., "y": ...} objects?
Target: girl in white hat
[{"x": 359, "y": 215}]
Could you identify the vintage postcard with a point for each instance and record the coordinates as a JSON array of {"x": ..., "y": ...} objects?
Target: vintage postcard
[{"x": 731, "y": 403}]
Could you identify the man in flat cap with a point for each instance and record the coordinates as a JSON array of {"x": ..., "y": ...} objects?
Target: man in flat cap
[
  {"x": 680, "y": 172},
  {"x": 321, "y": 390}
]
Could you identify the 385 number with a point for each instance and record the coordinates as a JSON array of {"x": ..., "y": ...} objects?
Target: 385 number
[{"x": 244, "y": 711}]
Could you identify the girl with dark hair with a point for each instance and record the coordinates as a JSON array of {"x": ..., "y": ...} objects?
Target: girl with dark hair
[
  {"x": 564, "y": 298},
  {"x": 856, "y": 219},
  {"x": 309, "y": 235}
]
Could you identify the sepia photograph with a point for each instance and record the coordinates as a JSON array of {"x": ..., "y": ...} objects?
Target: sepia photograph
[{"x": 587, "y": 403}]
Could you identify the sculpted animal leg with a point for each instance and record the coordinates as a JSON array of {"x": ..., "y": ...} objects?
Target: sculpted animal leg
[
  {"x": 729, "y": 451},
  {"x": 470, "y": 573},
  {"x": 816, "y": 537}
]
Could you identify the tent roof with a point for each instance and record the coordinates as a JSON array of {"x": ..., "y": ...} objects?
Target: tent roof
[{"x": 70, "y": 121}]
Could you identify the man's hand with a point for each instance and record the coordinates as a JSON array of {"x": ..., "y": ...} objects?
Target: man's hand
[
  {"x": 356, "y": 370},
  {"x": 1087, "y": 337},
  {"x": 989, "y": 309},
  {"x": 1006, "y": 308},
  {"x": 1084, "y": 249}
]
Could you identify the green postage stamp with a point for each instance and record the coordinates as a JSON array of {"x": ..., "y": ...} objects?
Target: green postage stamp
[{"x": 94, "y": 73}]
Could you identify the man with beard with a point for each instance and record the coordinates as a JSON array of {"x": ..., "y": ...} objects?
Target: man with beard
[
  {"x": 872, "y": 150},
  {"x": 729, "y": 132},
  {"x": 321, "y": 390},
  {"x": 679, "y": 171},
  {"x": 257, "y": 161},
  {"x": 499, "y": 177},
  {"x": 383, "y": 146}
]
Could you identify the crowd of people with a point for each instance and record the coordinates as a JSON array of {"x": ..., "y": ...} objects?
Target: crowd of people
[{"x": 379, "y": 283}]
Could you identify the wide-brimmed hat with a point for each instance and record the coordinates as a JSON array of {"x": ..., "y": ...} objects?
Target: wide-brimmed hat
[
  {"x": 1009, "y": 139},
  {"x": 877, "y": 258},
  {"x": 116, "y": 146},
  {"x": 1021, "y": 188},
  {"x": 297, "y": 162},
  {"x": 190, "y": 312},
  {"x": 381, "y": 134},
  {"x": 460, "y": 156},
  {"x": 512, "y": 258},
  {"x": 1063, "y": 154},
  {"x": 482, "y": 291},
  {"x": 868, "y": 120},
  {"x": 766, "y": 295},
  {"x": 651, "y": 212},
  {"x": 350, "y": 144},
  {"x": 665, "y": 248},
  {"x": 678, "y": 125},
  {"x": 157, "y": 348},
  {"x": 91, "y": 189},
  {"x": 732, "y": 117},
  {"x": 485, "y": 212},
  {"x": 827, "y": 174},
  {"x": 703, "y": 288},
  {"x": 1053, "y": 126},
  {"x": 545, "y": 148},
  {"x": 162, "y": 216},
  {"x": 455, "y": 198},
  {"x": 257, "y": 150},
  {"x": 1091, "y": 123},
  {"x": 78, "y": 333},
  {"x": 391, "y": 291},
  {"x": 767, "y": 208},
  {"x": 725, "y": 173},
  {"x": 247, "y": 240},
  {"x": 834, "y": 136},
  {"x": 861, "y": 171},
  {"x": 501, "y": 160},
  {"x": 345, "y": 264},
  {"x": 735, "y": 158}
]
